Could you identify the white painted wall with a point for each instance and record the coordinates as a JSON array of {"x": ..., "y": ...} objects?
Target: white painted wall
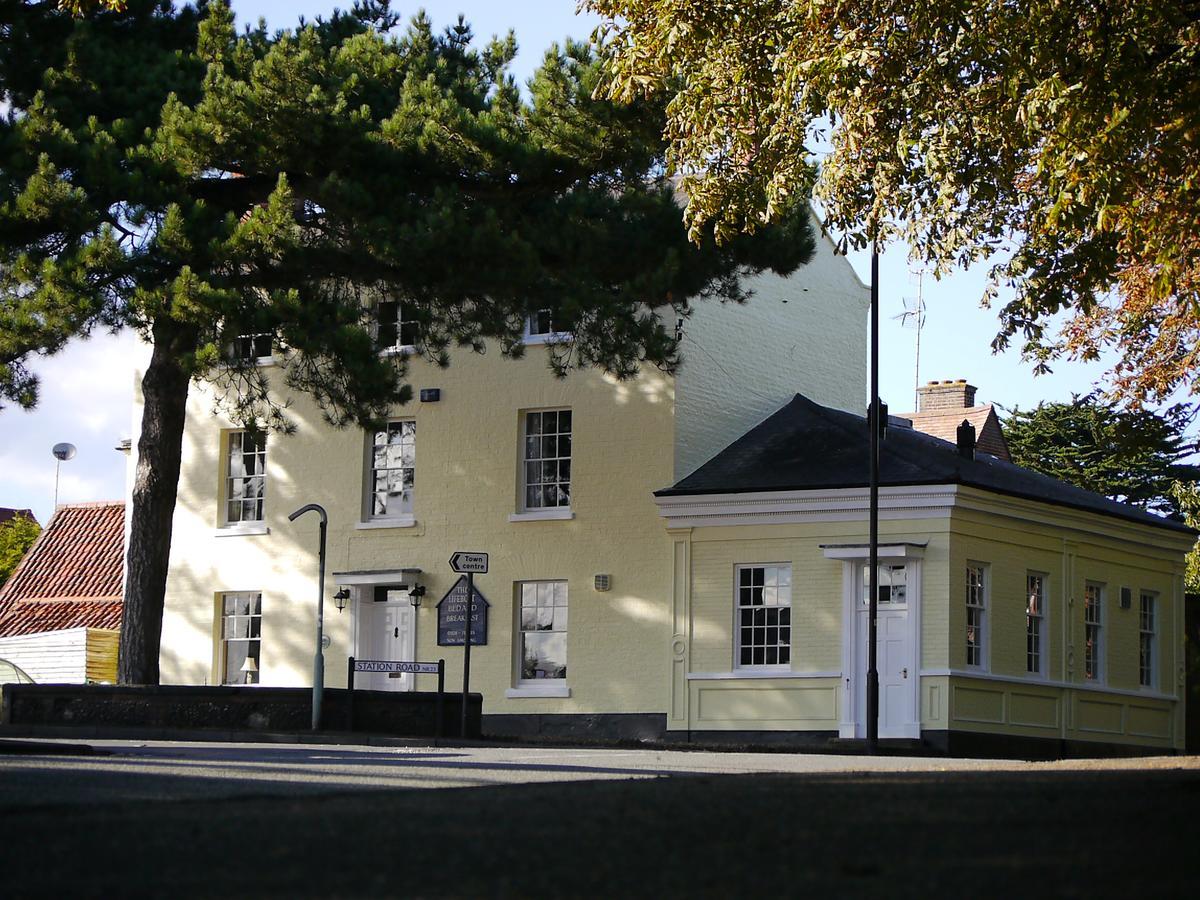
[
  {"x": 49, "y": 657},
  {"x": 803, "y": 334}
]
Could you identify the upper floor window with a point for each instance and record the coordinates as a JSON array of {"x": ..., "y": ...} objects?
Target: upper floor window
[
  {"x": 1146, "y": 640},
  {"x": 1035, "y": 622},
  {"x": 541, "y": 326},
  {"x": 546, "y": 475},
  {"x": 397, "y": 330},
  {"x": 764, "y": 616},
  {"x": 976, "y": 612},
  {"x": 241, "y": 637},
  {"x": 1093, "y": 622},
  {"x": 251, "y": 348},
  {"x": 245, "y": 477},
  {"x": 393, "y": 470}
]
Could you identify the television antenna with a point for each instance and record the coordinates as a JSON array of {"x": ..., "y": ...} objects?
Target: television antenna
[
  {"x": 62, "y": 452},
  {"x": 914, "y": 317}
]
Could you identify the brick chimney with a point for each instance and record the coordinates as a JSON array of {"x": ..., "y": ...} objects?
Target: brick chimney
[{"x": 938, "y": 395}]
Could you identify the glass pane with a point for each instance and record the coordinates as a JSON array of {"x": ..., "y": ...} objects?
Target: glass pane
[
  {"x": 549, "y": 472},
  {"x": 378, "y": 458},
  {"x": 560, "y": 618},
  {"x": 533, "y": 497},
  {"x": 532, "y": 447},
  {"x": 544, "y": 655},
  {"x": 528, "y": 617},
  {"x": 549, "y": 447},
  {"x": 532, "y": 471},
  {"x": 380, "y": 438},
  {"x": 564, "y": 470},
  {"x": 255, "y": 626},
  {"x": 533, "y": 424},
  {"x": 564, "y": 421},
  {"x": 549, "y": 422},
  {"x": 545, "y": 617}
]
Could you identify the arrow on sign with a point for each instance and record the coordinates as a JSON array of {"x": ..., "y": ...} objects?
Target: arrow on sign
[{"x": 467, "y": 562}]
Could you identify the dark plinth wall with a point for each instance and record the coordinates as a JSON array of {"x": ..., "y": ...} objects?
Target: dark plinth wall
[{"x": 402, "y": 714}]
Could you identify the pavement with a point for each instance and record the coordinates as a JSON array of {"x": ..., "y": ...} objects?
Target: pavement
[{"x": 148, "y": 818}]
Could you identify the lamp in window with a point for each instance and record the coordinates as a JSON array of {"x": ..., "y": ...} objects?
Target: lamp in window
[
  {"x": 341, "y": 598},
  {"x": 249, "y": 668},
  {"x": 415, "y": 593}
]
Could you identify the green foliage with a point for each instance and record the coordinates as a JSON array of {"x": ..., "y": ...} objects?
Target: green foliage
[
  {"x": 160, "y": 168},
  {"x": 1132, "y": 455},
  {"x": 1186, "y": 496},
  {"x": 1061, "y": 141},
  {"x": 16, "y": 537}
]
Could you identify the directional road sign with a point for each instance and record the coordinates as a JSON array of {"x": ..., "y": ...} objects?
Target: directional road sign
[{"x": 468, "y": 562}]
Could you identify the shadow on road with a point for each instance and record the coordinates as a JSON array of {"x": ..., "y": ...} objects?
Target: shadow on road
[{"x": 1071, "y": 834}]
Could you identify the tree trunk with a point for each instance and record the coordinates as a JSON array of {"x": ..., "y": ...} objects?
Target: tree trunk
[{"x": 155, "y": 485}]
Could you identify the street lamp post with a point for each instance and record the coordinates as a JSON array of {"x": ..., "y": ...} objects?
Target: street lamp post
[
  {"x": 319, "y": 656},
  {"x": 875, "y": 425}
]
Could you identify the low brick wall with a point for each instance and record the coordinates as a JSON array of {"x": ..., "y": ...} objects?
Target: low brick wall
[{"x": 233, "y": 708}]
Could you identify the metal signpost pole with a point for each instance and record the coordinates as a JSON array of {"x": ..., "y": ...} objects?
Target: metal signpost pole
[
  {"x": 874, "y": 425},
  {"x": 467, "y": 653}
]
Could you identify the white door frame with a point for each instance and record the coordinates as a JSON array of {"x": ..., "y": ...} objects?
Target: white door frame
[
  {"x": 362, "y": 621},
  {"x": 852, "y": 723}
]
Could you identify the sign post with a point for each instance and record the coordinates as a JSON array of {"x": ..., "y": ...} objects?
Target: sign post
[{"x": 468, "y": 563}]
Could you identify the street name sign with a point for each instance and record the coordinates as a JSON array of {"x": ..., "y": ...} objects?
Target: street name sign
[
  {"x": 387, "y": 665},
  {"x": 466, "y": 562}
]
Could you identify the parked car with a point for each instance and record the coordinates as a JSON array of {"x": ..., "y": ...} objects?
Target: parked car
[{"x": 11, "y": 673}]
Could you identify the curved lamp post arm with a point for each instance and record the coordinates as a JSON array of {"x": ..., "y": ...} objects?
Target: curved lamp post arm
[{"x": 319, "y": 656}]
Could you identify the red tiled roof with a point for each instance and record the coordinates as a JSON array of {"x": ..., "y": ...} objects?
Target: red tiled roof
[
  {"x": 71, "y": 576},
  {"x": 943, "y": 423}
]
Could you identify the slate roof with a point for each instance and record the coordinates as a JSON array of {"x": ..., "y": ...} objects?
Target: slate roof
[
  {"x": 71, "y": 577},
  {"x": 7, "y": 512},
  {"x": 943, "y": 423},
  {"x": 806, "y": 446}
]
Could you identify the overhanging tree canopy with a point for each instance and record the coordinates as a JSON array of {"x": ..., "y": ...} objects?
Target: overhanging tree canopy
[
  {"x": 1060, "y": 140},
  {"x": 161, "y": 173}
]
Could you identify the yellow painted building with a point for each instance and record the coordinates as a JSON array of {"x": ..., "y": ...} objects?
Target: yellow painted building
[
  {"x": 553, "y": 478},
  {"x": 1017, "y": 614}
]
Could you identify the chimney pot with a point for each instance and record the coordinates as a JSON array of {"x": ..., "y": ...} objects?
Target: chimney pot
[{"x": 966, "y": 440}]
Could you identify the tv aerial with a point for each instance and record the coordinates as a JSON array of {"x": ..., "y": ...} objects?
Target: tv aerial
[{"x": 62, "y": 452}]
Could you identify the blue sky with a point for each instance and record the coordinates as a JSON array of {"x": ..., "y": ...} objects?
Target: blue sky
[{"x": 87, "y": 389}]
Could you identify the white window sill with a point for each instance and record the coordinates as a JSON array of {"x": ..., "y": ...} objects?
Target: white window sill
[
  {"x": 553, "y": 337},
  {"x": 261, "y": 362},
  {"x": 543, "y": 515},
  {"x": 538, "y": 690},
  {"x": 396, "y": 522},
  {"x": 242, "y": 529},
  {"x": 405, "y": 350}
]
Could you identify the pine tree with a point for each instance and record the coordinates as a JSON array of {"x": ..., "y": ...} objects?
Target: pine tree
[
  {"x": 1133, "y": 455},
  {"x": 160, "y": 172}
]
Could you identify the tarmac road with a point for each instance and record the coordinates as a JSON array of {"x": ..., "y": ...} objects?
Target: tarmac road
[{"x": 158, "y": 819}]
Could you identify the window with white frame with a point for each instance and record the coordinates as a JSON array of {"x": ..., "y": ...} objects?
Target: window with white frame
[
  {"x": 542, "y": 326},
  {"x": 976, "y": 612},
  {"x": 249, "y": 348},
  {"x": 1093, "y": 622},
  {"x": 1146, "y": 640},
  {"x": 397, "y": 329},
  {"x": 241, "y": 637},
  {"x": 764, "y": 616},
  {"x": 245, "y": 477},
  {"x": 393, "y": 461},
  {"x": 546, "y": 469},
  {"x": 542, "y": 631},
  {"x": 1035, "y": 622}
]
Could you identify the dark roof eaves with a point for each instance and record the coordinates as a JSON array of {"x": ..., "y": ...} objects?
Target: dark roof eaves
[{"x": 1151, "y": 520}]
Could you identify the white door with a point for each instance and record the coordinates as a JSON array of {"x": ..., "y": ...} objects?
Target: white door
[
  {"x": 895, "y": 657},
  {"x": 387, "y": 630}
]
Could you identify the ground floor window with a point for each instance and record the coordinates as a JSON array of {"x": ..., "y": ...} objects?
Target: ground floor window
[
  {"x": 1146, "y": 634},
  {"x": 976, "y": 613},
  {"x": 542, "y": 630},
  {"x": 241, "y": 637},
  {"x": 1035, "y": 621},
  {"x": 764, "y": 616},
  {"x": 1093, "y": 621}
]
